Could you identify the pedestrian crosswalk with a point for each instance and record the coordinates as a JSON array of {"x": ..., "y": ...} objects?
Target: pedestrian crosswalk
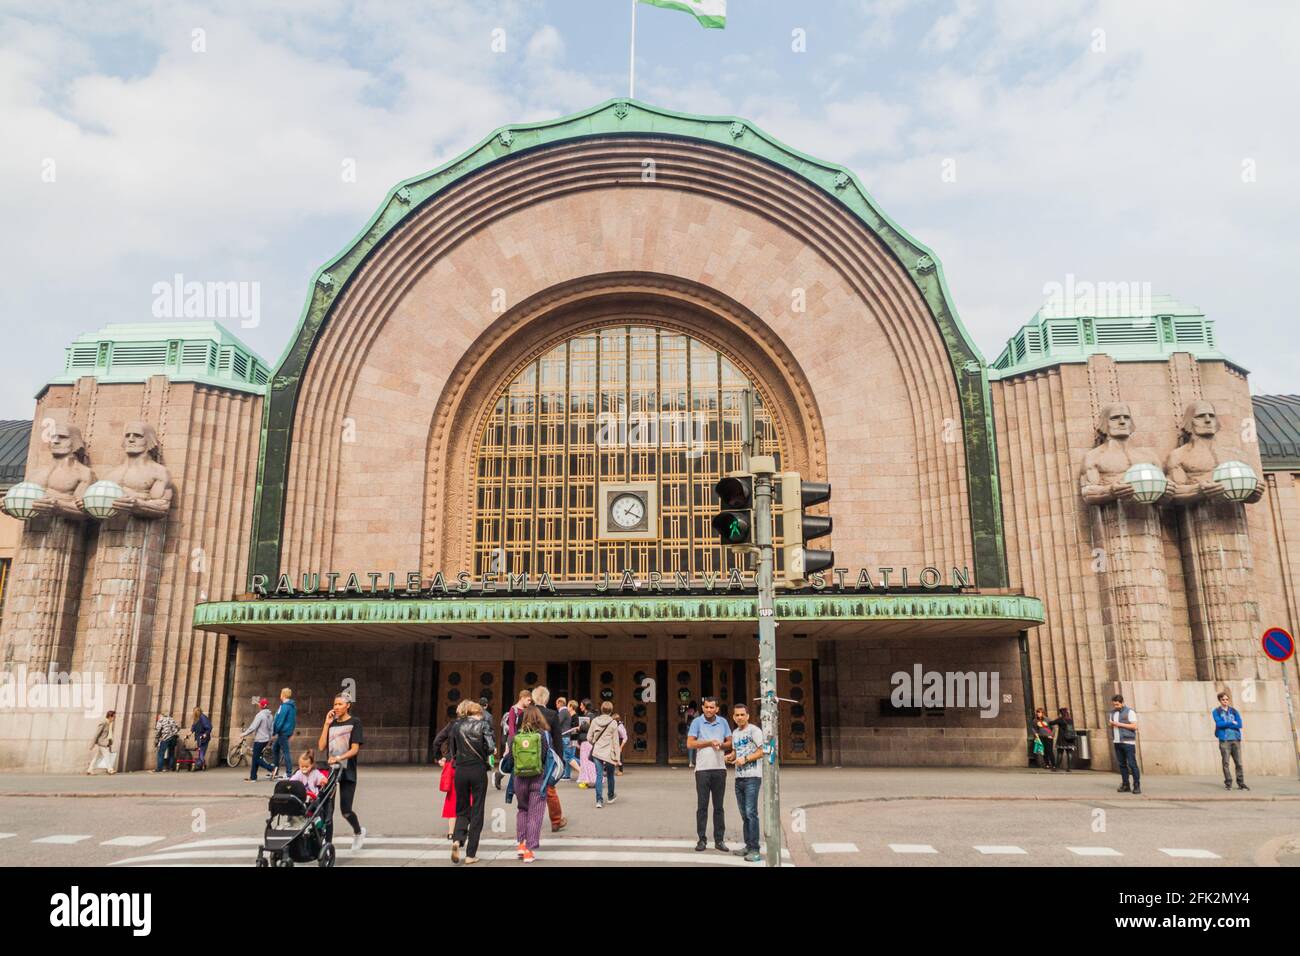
[
  {"x": 406, "y": 850},
  {"x": 498, "y": 848},
  {"x": 925, "y": 849}
]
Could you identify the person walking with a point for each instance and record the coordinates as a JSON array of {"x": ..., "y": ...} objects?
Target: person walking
[
  {"x": 166, "y": 735},
  {"x": 286, "y": 722},
  {"x": 101, "y": 745},
  {"x": 528, "y": 756},
  {"x": 1043, "y": 737},
  {"x": 747, "y": 757},
  {"x": 472, "y": 746},
  {"x": 622, "y": 742},
  {"x": 602, "y": 738},
  {"x": 1227, "y": 728},
  {"x": 566, "y": 721},
  {"x": 1123, "y": 725},
  {"x": 586, "y": 766},
  {"x": 509, "y": 727},
  {"x": 447, "y": 779},
  {"x": 262, "y": 730},
  {"x": 201, "y": 728},
  {"x": 1067, "y": 738},
  {"x": 541, "y": 697},
  {"x": 708, "y": 738},
  {"x": 341, "y": 737}
]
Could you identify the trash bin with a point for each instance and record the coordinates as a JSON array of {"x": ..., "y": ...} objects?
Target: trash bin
[{"x": 1083, "y": 752}]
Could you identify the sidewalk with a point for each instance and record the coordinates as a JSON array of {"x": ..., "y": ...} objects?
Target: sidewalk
[{"x": 800, "y": 786}]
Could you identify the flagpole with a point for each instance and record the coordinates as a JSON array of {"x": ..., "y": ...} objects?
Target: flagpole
[{"x": 631, "y": 65}]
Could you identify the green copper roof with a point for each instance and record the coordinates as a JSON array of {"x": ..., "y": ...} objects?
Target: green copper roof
[
  {"x": 1133, "y": 329},
  {"x": 228, "y": 616},
  {"x": 183, "y": 351},
  {"x": 1277, "y": 423}
]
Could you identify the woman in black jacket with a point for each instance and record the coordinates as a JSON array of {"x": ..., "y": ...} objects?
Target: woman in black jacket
[
  {"x": 471, "y": 744},
  {"x": 1067, "y": 738}
]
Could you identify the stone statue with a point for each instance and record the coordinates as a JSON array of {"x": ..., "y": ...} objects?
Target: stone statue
[
  {"x": 1191, "y": 465},
  {"x": 67, "y": 479},
  {"x": 1102, "y": 480},
  {"x": 146, "y": 483}
]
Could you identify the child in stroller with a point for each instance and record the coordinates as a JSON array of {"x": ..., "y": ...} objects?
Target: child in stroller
[{"x": 297, "y": 815}]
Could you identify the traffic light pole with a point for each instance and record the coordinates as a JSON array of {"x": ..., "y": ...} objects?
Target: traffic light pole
[{"x": 768, "y": 714}]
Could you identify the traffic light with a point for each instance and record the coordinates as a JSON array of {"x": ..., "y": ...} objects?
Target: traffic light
[
  {"x": 797, "y": 496},
  {"x": 735, "y": 523}
]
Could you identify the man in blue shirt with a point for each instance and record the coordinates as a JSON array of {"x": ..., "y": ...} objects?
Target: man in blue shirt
[
  {"x": 709, "y": 737},
  {"x": 1227, "y": 727}
]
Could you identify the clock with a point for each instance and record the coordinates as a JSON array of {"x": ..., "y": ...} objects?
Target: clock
[{"x": 628, "y": 511}]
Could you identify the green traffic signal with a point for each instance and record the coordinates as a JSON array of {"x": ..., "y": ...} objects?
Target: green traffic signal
[{"x": 736, "y": 493}]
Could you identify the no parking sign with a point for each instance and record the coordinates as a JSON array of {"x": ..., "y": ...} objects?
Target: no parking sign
[{"x": 1278, "y": 644}]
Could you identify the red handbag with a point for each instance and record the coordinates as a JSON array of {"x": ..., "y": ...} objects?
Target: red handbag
[{"x": 448, "y": 780}]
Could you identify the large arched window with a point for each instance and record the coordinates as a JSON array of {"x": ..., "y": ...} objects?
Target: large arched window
[{"x": 622, "y": 403}]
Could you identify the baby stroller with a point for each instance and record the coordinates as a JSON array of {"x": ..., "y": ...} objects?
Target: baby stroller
[{"x": 295, "y": 825}]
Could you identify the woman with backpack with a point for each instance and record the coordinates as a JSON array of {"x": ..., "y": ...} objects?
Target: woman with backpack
[
  {"x": 472, "y": 747},
  {"x": 528, "y": 753}
]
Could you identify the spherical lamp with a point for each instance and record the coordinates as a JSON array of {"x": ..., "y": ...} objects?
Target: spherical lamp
[
  {"x": 100, "y": 496},
  {"x": 1148, "y": 482},
  {"x": 1238, "y": 479},
  {"x": 20, "y": 498}
]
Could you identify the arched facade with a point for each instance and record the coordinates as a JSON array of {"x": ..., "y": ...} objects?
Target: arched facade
[{"x": 463, "y": 271}]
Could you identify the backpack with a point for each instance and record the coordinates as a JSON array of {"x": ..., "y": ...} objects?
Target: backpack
[{"x": 526, "y": 749}]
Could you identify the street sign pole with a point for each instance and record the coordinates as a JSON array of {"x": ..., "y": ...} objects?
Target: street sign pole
[{"x": 769, "y": 714}]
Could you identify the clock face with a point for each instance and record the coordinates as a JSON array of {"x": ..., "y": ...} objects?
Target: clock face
[{"x": 628, "y": 511}]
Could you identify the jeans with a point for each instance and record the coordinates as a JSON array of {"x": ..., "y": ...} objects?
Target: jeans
[
  {"x": 747, "y": 799},
  {"x": 1126, "y": 757},
  {"x": 710, "y": 783},
  {"x": 201, "y": 753},
  {"x": 167, "y": 754},
  {"x": 570, "y": 753},
  {"x": 604, "y": 769},
  {"x": 1232, "y": 748},
  {"x": 471, "y": 791},
  {"x": 280, "y": 754},
  {"x": 531, "y": 813},
  {"x": 258, "y": 747}
]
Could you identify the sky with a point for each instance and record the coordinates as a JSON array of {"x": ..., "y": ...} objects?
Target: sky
[{"x": 1030, "y": 144}]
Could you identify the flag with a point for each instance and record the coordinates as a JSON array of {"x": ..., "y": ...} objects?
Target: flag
[{"x": 710, "y": 13}]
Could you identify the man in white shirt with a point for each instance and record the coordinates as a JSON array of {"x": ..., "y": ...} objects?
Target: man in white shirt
[{"x": 747, "y": 757}]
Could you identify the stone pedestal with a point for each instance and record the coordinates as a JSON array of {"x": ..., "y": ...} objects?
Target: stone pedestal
[
  {"x": 42, "y": 595},
  {"x": 119, "y": 629},
  {"x": 1136, "y": 620},
  {"x": 1219, "y": 566},
  {"x": 1176, "y": 727},
  {"x": 53, "y": 739}
]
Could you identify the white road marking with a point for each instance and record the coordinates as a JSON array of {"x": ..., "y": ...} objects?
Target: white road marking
[
  {"x": 912, "y": 848},
  {"x": 1093, "y": 851},
  {"x": 1001, "y": 850},
  {"x": 1190, "y": 854},
  {"x": 5, "y": 836},
  {"x": 132, "y": 841},
  {"x": 835, "y": 848},
  {"x": 570, "y": 849},
  {"x": 64, "y": 839}
]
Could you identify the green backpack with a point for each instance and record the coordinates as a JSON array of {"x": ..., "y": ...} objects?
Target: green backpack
[{"x": 526, "y": 749}]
